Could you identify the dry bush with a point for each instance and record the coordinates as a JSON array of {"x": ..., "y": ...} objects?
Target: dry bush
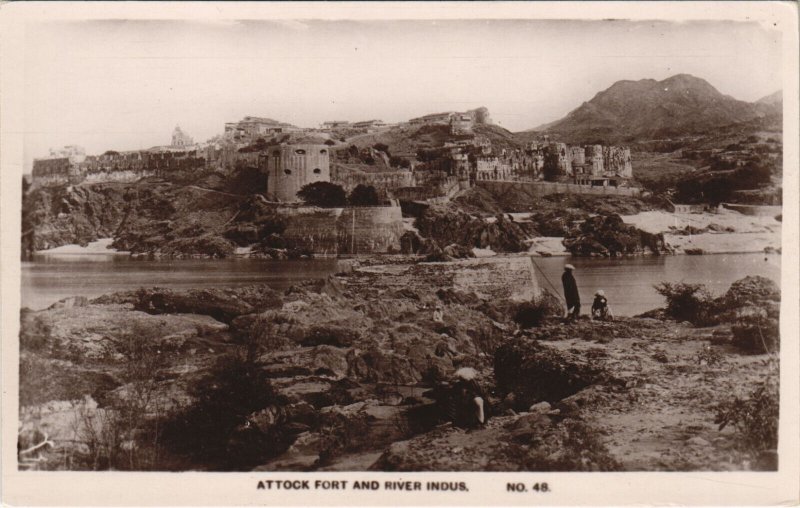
[
  {"x": 756, "y": 332},
  {"x": 214, "y": 429},
  {"x": 755, "y": 417},
  {"x": 534, "y": 313},
  {"x": 125, "y": 436},
  {"x": 570, "y": 446},
  {"x": 689, "y": 302}
]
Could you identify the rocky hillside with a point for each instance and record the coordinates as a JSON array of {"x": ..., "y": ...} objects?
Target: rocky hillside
[
  {"x": 648, "y": 109},
  {"x": 410, "y": 139},
  {"x": 55, "y": 216}
]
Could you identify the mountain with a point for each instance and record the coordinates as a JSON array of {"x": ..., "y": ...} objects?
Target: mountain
[
  {"x": 772, "y": 104},
  {"x": 772, "y": 99},
  {"x": 649, "y": 109}
]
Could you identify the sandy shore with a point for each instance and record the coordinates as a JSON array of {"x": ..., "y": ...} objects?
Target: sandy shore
[
  {"x": 548, "y": 246},
  {"x": 746, "y": 233},
  {"x": 98, "y": 247}
]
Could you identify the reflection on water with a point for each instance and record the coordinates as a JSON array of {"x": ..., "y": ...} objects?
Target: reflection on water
[
  {"x": 47, "y": 278},
  {"x": 628, "y": 283}
]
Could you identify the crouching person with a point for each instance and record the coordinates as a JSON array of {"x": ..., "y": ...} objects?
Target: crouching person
[
  {"x": 470, "y": 405},
  {"x": 600, "y": 309}
]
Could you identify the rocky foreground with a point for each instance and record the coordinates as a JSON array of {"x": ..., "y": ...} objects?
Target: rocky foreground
[{"x": 346, "y": 373}]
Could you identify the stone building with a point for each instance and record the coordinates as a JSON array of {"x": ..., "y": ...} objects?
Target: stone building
[
  {"x": 617, "y": 159},
  {"x": 74, "y": 153},
  {"x": 369, "y": 125},
  {"x": 252, "y": 127},
  {"x": 461, "y": 122},
  {"x": 334, "y": 124},
  {"x": 290, "y": 167},
  {"x": 492, "y": 168}
]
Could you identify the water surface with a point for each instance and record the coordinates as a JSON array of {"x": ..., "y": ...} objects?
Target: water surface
[{"x": 627, "y": 282}]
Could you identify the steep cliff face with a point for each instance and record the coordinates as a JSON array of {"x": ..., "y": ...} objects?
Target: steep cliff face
[
  {"x": 177, "y": 220},
  {"x": 55, "y": 216}
]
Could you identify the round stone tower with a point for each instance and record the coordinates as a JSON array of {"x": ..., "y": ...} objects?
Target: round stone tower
[{"x": 290, "y": 167}]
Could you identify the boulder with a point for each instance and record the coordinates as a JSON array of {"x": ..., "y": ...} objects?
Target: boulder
[{"x": 221, "y": 304}]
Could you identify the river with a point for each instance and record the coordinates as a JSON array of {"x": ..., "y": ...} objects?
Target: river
[{"x": 628, "y": 283}]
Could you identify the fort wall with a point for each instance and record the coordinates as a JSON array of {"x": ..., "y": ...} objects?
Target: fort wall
[
  {"x": 381, "y": 181},
  {"x": 344, "y": 231},
  {"x": 545, "y": 188}
]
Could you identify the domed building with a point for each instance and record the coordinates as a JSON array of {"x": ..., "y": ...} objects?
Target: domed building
[{"x": 180, "y": 139}]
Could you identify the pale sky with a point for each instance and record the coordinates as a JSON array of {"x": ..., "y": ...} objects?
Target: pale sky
[{"x": 125, "y": 84}]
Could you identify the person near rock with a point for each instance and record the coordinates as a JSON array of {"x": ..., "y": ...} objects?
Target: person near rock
[
  {"x": 468, "y": 400},
  {"x": 600, "y": 308},
  {"x": 571, "y": 295},
  {"x": 438, "y": 315}
]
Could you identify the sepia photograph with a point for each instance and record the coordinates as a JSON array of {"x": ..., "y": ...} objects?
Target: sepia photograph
[{"x": 314, "y": 244}]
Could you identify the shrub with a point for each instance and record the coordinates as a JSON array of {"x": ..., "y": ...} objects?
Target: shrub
[
  {"x": 399, "y": 162},
  {"x": 755, "y": 331},
  {"x": 208, "y": 430},
  {"x": 383, "y": 147},
  {"x": 323, "y": 194},
  {"x": 364, "y": 195},
  {"x": 551, "y": 169},
  {"x": 341, "y": 434},
  {"x": 570, "y": 446},
  {"x": 533, "y": 313},
  {"x": 755, "y": 417},
  {"x": 688, "y": 302}
]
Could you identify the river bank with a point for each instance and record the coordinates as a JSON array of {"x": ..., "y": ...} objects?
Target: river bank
[
  {"x": 344, "y": 369},
  {"x": 724, "y": 232}
]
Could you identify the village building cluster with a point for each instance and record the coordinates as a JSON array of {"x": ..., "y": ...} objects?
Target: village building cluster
[{"x": 292, "y": 157}]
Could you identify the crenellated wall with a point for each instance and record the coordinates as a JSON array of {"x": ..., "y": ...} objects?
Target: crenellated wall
[
  {"x": 382, "y": 181},
  {"x": 545, "y": 188}
]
